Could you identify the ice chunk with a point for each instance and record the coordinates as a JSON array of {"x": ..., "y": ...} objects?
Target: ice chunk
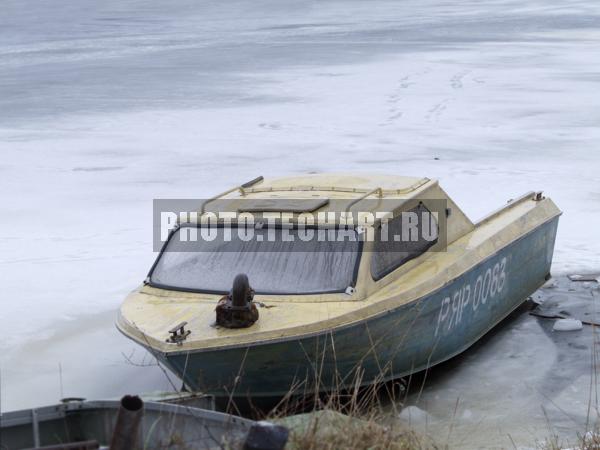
[
  {"x": 589, "y": 277},
  {"x": 567, "y": 325},
  {"x": 414, "y": 414}
]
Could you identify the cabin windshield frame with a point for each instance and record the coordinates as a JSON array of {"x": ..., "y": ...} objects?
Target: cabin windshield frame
[{"x": 354, "y": 278}]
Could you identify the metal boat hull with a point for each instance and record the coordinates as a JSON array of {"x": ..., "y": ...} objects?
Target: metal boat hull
[
  {"x": 401, "y": 341},
  {"x": 163, "y": 425}
]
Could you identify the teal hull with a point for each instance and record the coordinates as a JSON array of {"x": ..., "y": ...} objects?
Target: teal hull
[{"x": 402, "y": 341}]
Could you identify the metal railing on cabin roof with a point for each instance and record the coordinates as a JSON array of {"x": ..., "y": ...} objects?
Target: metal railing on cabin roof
[
  {"x": 247, "y": 188},
  {"x": 371, "y": 190},
  {"x": 240, "y": 188},
  {"x": 377, "y": 191}
]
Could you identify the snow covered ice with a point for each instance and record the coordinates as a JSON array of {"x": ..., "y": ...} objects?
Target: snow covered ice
[{"x": 107, "y": 105}]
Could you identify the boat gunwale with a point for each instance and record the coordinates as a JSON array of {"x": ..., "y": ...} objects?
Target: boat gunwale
[
  {"x": 61, "y": 410},
  {"x": 530, "y": 195}
]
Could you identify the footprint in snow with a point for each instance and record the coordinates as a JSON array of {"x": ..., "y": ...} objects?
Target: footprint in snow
[
  {"x": 456, "y": 80},
  {"x": 270, "y": 125}
]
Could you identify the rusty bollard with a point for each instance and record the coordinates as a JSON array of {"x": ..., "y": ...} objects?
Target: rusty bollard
[{"x": 130, "y": 414}]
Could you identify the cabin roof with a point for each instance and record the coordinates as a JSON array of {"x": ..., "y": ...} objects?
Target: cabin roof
[
  {"x": 323, "y": 191},
  {"x": 339, "y": 182}
]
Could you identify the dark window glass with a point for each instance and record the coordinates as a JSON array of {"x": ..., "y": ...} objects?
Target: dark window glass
[
  {"x": 277, "y": 267},
  {"x": 404, "y": 237}
]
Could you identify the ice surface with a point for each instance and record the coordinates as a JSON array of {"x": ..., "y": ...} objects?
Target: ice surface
[
  {"x": 521, "y": 384},
  {"x": 107, "y": 105}
]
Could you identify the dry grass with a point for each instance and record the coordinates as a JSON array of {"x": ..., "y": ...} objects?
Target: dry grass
[
  {"x": 331, "y": 430},
  {"x": 588, "y": 441},
  {"x": 349, "y": 418}
]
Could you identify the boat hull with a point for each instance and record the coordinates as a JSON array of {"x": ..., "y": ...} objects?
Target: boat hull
[
  {"x": 162, "y": 425},
  {"x": 405, "y": 340}
]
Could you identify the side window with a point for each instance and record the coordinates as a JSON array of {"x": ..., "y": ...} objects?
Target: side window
[{"x": 407, "y": 235}]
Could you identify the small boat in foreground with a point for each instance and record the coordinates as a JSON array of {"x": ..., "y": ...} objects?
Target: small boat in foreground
[
  {"x": 234, "y": 318},
  {"x": 134, "y": 424}
]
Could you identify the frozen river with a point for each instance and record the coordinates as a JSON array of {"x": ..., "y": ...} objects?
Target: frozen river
[{"x": 107, "y": 105}]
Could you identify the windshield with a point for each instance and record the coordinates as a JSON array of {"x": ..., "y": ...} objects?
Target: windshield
[{"x": 274, "y": 263}]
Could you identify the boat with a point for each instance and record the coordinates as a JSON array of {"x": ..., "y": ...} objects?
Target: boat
[
  {"x": 236, "y": 319},
  {"x": 132, "y": 423}
]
